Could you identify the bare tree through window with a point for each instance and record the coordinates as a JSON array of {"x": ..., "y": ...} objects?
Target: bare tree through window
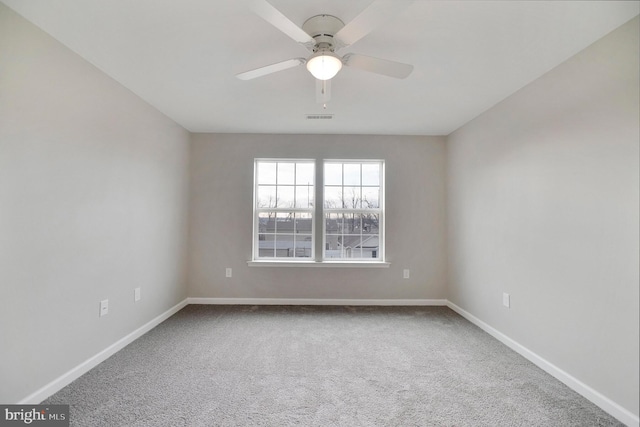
[
  {"x": 284, "y": 194},
  {"x": 352, "y": 209},
  {"x": 350, "y": 221}
]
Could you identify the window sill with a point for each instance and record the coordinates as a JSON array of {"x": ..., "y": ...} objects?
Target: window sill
[{"x": 325, "y": 264}]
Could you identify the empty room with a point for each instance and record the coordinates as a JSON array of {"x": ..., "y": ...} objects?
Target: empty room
[{"x": 319, "y": 213}]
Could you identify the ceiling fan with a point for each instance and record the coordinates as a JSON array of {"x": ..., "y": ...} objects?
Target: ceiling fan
[{"x": 323, "y": 35}]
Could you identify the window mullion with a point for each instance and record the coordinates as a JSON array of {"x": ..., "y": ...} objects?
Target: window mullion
[{"x": 319, "y": 222}]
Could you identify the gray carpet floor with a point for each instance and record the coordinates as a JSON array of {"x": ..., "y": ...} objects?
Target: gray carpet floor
[{"x": 321, "y": 366}]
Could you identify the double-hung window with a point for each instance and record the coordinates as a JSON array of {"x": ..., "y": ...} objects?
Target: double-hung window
[
  {"x": 353, "y": 210},
  {"x": 346, "y": 225},
  {"x": 284, "y": 209}
]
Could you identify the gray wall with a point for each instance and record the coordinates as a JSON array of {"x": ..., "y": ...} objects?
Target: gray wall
[
  {"x": 221, "y": 218},
  {"x": 93, "y": 199},
  {"x": 543, "y": 204}
]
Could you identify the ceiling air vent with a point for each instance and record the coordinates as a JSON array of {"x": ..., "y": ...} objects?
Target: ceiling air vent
[{"x": 319, "y": 116}]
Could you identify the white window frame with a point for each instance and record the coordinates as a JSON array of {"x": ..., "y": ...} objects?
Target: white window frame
[
  {"x": 357, "y": 211},
  {"x": 318, "y": 211},
  {"x": 258, "y": 210}
]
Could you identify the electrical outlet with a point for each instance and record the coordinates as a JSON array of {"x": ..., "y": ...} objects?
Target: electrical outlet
[
  {"x": 406, "y": 273},
  {"x": 228, "y": 272},
  {"x": 104, "y": 307},
  {"x": 136, "y": 295},
  {"x": 506, "y": 300}
]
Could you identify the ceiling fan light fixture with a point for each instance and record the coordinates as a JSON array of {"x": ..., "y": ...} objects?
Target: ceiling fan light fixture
[{"x": 324, "y": 65}]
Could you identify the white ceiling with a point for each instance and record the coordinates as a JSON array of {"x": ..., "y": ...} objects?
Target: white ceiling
[{"x": 181, "y": 56}]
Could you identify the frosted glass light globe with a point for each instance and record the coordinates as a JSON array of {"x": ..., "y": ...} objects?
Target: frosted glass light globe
[{"x": 324, "y": 65}]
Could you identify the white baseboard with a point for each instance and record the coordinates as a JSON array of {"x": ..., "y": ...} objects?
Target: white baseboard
[
  {"x": 75, "y": 373},
  {"x": 313, "y": 301},
  {"x": 589, "y": 393}
]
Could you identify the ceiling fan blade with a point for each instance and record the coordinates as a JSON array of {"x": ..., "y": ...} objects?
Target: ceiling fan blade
[
  {"x": 372, "y": 17},
  {"x": 263, "y": 71},
  {"x": 323, "y": 91},
  {"x": 377, "y": 65},
  {"x": 273, "y": 16}
]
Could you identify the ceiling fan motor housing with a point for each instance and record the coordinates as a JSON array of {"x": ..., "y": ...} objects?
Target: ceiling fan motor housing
[{"x": 322, "y": 28}]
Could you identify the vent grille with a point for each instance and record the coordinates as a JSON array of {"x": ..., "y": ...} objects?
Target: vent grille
[{"x": 319, "y": 116}]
